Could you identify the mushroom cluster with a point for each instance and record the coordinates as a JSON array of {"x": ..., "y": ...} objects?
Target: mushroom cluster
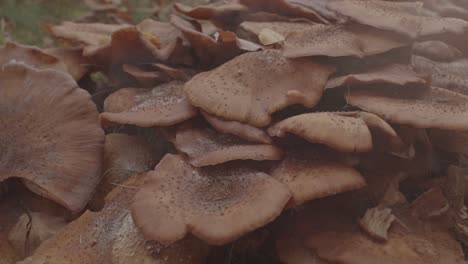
[{"x": 241, "y": 131}]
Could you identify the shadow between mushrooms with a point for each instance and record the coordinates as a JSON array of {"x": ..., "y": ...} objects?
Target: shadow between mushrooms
[
  {"x": 252, "y": 86},
  {"x": 216, "y": 204},
  {"x": 204, "y": 146},
  {"x": 164, "y": 105},
  {"x": 58, "y": 141}
]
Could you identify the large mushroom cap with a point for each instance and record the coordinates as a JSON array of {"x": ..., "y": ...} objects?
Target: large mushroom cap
[
  {"x": 343, "y": 133},
  {"x": 316, "y": 173},
  {"x": 434, "y": 108},
  {"x": 163, "y": 105},
  {"x": 204, "y": 146},
  {"x": 407, "y": 18},
  {"x": 340, "y": 40},
  {"x": 58, "y": 141},
  {"x": 252, "y": 86},
  {"x": 110, "y": 236},
  {"x": 216, "y": 204}
]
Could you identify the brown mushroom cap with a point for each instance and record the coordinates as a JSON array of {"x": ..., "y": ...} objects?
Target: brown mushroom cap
[
  {"x": 216, "y": 204},
  {"x": 252, "y": 86},
  {"x": 58, "y": 141},
  {"x": 315, "y": 173},
  {"x": 204, "y": 146},
  {"x": 163, "y": 105},
  {"x": 75, "y": 63},
  {"x": 396, "y": 74},
  {"x": 343, "y": 133},
  {"x": 239, "y": 129},
  {"x": 110, "y": 236},
  {"x": 280, "y": 27},
  {"x": 434, "y": 108},
  {"x": 221, "y": 13},
  {"x": 407, "y": 18},
  {"x": 340, "y": 40},
  {"x": 436, "y": 50},
  {"x": 145, "y": 78},
  {"x": 448, "y": 75},
  {"x": 93, "y": 35},
  {"x": 210, "y": 51}
]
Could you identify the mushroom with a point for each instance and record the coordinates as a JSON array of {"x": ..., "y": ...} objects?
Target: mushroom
[
  {"x": 432, "y": 108},
  {"x": 406, "y": 18},
  {"x": 430, "y": 204},
  {"x": 164, "y": 105},
  {"x": 252, "y": 86},
  {"x": 220, "y": 13},
  {"x": 448, "y": 75},
  {"x": 216, "y": 204},
  {"x": 110, "y": 236},
  {"x": 239, "y": 129},
  {"x": 395, "y": 74},
  {"x": 280, "y": 27},
  {"x": 436, "y": 50},
  {"x": 124, "y": 155},
  {"x": 376, "y": 222},
  {"x": 342, "y": 133},
  {"x": 340, "y": 40},
  {"x": 204, "y": 146},
  {"x": 58, "y": 141},
  {"x": 146, "y": 78},
  {"x": 315, "y": 172}
]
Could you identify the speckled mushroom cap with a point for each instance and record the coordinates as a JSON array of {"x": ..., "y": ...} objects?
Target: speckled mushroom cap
[
  {"x": 407, "y": 18},
  {"x": 94, "y": 36},
  {"x": 395, "y": 74},
  {"x": 216, "y": 204},
  {"x": 239, "y": 129},
  {"x": 110, "y": 236},
  {"x": 342, "y": 133},
  {"x": 434, "y": 108},
  {"x": 340, "y": 40},
  {"x": 448, "y": 75},
  {"x": 204, "y": 146},
  {"x": 436, "y": 50},
  {"x": 252, "y": 86},
  {"x": 284, "y": 7},
  {"x": 58, "y": 140},
  {"x": 163, "y": 105},
  {"x": 315, "y": 172}
]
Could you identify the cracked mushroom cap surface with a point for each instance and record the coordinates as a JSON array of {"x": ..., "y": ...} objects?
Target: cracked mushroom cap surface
[
  {"x": 58, "y": 141},
  {"x": 110, "y": 236},
  {"x": 204, "y": 146},
  {"x": 342, "y": 133},
  {"x": 252, "y": 86},
  {"x": 216, "y": 204},
  {"x": 433, "y": 108},
  {"x": 315, "y": 173},
  {"x": 239, "y": 129},
  {"x": 407, "y": 18},
  {"x": 395, "y": 74},
  {"x": 164, "y": 105},
  {"x": 340, "y": 40}
]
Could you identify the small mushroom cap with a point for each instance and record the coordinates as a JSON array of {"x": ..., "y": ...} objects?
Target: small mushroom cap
[
  {"x": 396, "y": 74},
  {"x": 340, "y": 40},
  {"x": 163, "y": 105},
  {"x": 436, "y": 50},
  {"x": 448, "y": 75},
  {"x": 239, "y": 129},
  {"x": 204, "y": 146},
  {"x": 94, "y": 36},
  {"x": 376, "y": 222},
  {"x": 145, "y": 78},
  {"x": 58, "y": 141},
  {"x": 110, "y": 236},
  {"x": 316, "y": 173},
  {"x": 252, "y": 86},
  {"x": 434, "y": 108},
  {"x": 75, "y": 63},
  {"x": 216, "y": 204},
  {"x": 33, "y": 229},
  {"x": 342, "y": 133},
  {"x": 407, "y": 18}
]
